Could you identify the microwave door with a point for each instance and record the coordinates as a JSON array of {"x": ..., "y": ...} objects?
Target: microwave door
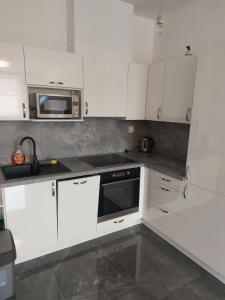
[{"x": 52, "y": 106}]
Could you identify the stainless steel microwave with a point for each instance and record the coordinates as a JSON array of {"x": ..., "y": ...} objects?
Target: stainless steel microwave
[{"x": 49, "y": 106}]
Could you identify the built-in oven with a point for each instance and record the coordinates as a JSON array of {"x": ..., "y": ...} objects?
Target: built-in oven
[
  {"x": 119, "y": 193},
  {"x": 55, "y": 106}
]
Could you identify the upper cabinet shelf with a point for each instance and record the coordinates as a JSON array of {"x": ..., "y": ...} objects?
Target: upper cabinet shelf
[
  {"x": 53, "y": 68},
  {"x": 171, "y": 90}
]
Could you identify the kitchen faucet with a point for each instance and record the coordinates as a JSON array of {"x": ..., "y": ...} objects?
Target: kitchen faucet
[{"x": 35, "y": 163}]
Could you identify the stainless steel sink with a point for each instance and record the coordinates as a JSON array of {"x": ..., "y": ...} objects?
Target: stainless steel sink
[{"x": 25, "y": 170}]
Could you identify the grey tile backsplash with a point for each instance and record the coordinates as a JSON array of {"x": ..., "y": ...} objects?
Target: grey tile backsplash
[{"x": 93, "y": 136}]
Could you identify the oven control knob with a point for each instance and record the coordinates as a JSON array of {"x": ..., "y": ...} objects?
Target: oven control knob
[
  {"x": 128, "y": 172},
  {"x": 113, "y": 175}
]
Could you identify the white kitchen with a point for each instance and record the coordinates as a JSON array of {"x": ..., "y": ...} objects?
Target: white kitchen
[{"x": 112, "y": 149}]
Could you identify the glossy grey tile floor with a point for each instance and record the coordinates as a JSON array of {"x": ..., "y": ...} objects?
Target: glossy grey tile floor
[{"x": 134, "y": 264}]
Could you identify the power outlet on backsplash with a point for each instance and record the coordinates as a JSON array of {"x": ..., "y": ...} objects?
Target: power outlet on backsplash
[{"x": 131, "y": 128}]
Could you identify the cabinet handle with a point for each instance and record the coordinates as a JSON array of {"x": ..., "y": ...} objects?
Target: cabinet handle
[
  {"x": 187, "y": 172},
  {"x": 53, "y": 189},
  {"x": 86, "y": 108},
  {"x": 164, "y": 210},
  {"x": 166, "y": 190},
  {"x": 83, "y": 182},
  {"x": 118, "y": 222},
  {"x": 24, "y": 110},
  {"x": 51, "y": 82},
  {"x": 60, "y": 82},
  {"x": 158, "y": 113},
  {"x": 76, "y": 183},
  {"x": 165, "y": 179},
  {"x": 184, "y": 192},
  {"x": 188, "y": 115}
]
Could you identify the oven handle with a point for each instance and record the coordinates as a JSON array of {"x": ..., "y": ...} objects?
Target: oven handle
[{"x": 126, "y": 180}]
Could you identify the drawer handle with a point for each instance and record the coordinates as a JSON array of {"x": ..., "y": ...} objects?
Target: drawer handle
[
  {"x": 83, "y": 182},
  {"x": 166, "y": 190},
  {"x": 60, "y": 82},
  {"x": 52, "y": 82},
  {"x": 76, "y": 183},
  {"x": 118, "y": 222},
  {"x": 164, "y": 211},
  {"x": 165, "y": 179}
]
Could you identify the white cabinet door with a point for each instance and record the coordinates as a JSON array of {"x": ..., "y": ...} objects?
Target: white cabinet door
[
  {"x": 13, "y": 92},
  {"x": 180, "y": 77},
  {"x": 77, "y": 210},
  {"x": 206, "y": 151},
  {"x": 53, "y": 68},
  {"x": 105, "y": 87},
  {"x": 30, "y": 212},
  {"x": 155, "y": 92},
  {"x": 137, "y": 89}
]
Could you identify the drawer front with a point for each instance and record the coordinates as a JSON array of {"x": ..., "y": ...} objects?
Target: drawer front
[
  {"x": 162, "y": 195},
  {"x": 167, "y": 181},
  {"x": 118, "y": 223}
]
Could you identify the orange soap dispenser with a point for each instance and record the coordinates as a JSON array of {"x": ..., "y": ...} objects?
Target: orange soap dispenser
[{"x": 18, "y": 157}]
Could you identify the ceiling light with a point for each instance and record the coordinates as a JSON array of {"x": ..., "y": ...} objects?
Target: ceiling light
[{"x": 4, "y": 64}]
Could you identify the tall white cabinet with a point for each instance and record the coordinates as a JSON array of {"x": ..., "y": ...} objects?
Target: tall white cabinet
[
  {"x": 13, "y": 92},
  {"x": 105, "y": 87},
  {"x": 31, "y": 215},
  {"x": 206, "y": 153}
]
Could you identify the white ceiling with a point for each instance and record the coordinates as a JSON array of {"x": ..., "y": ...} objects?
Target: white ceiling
[{"x": 150, "y": 8}]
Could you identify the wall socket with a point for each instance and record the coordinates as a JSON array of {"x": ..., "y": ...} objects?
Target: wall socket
[{"x": 131, "y": 128}]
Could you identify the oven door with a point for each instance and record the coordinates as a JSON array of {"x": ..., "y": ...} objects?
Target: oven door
[
  {"x": 54, "y": 106},
  {"x": 118, "y": 198}
]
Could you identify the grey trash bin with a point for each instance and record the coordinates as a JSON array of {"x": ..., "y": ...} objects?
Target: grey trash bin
[{"x": 7, "y": 258}]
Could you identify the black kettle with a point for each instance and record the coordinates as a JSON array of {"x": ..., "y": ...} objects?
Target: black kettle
[{"x": 146, "y": 144}]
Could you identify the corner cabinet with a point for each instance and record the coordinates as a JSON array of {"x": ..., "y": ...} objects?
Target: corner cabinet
[
  {"x": 13, "y": 91},
  {"x": 179, "y": 87},
  {"x": 171, "y": 87},
  {"x": 105, "y": 87},
  {"x": 53, "y": 68},
  {"x": 77, "y": 210},
  {"x": 137, "y": 91},
  {"x": 31, "y": 215}
]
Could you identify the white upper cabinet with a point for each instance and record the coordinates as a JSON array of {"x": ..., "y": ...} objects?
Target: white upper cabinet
[
  {"x": 179, "y": 86},
  {"x": 30, "y": 212},
  {"x": 13, "y": 91},
  {"x": 155, "y": 91},
  {"x": 103, "y": 28},
  {"x": 137, "y": 89},
  {"x": 105, "y": 87},
  {"x": 206, "y": 152},
  {"x": 53, "y": 68},
  {"x": 77, "y": 210}
]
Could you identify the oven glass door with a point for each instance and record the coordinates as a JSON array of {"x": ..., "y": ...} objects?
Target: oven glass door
[
  {"x": 55, "y": 106},
  {"x": 119, "y": 196}
]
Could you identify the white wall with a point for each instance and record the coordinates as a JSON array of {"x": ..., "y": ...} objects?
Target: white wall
[
  {"x": 103, "y": 27},
  {"x": 34, "y": 22},
  {"x": 143, "y": 34},
  {"x": 197, "y": 24}
]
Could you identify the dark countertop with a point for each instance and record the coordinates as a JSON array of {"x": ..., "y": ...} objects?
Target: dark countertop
[{"x": 78, "y": 168}]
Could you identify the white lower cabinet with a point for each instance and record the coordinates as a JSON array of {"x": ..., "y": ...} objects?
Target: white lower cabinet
[
  {"x": 30, "y": 214},
  {"x": 77, "y": 210}
]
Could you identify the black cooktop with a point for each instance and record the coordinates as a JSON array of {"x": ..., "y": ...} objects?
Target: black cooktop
[{"x": 106, "y": 160}]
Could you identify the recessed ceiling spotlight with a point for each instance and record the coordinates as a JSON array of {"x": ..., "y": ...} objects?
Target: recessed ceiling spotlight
[{"x": 4, "y": 64}]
